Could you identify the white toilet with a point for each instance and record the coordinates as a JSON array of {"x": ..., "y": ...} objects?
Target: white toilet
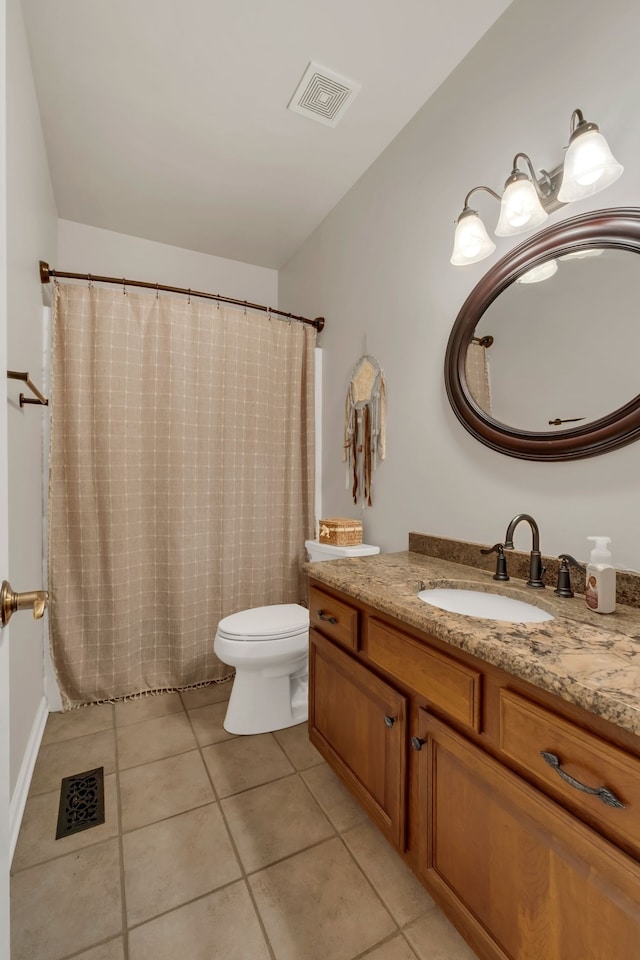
[{"x": 269, "y": 647}]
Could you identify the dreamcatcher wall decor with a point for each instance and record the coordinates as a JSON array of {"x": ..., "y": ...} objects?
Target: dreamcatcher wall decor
[{"x": 364, "y": 427}]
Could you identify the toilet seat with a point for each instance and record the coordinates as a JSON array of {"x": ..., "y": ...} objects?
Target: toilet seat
[{"x": 278, "y": 621}]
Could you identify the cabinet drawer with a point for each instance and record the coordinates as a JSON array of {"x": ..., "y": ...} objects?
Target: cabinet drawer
[
  {"x": 334, "y": 618},
  {"x": 446, "y": 684},
  {"x": 527, "y": 730}
]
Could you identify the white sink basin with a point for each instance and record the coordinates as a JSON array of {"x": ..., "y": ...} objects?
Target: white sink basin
[{"x": 490, "y": 606}]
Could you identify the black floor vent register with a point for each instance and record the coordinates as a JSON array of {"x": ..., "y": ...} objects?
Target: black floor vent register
[{"x": 81, "y": 802}]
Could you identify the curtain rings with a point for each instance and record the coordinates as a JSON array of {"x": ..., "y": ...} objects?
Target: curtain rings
[
  {"x": 124, "y": 287},
  {"x": 189, "y": 298},
  {"x": 157, "y": 290},
  {"x": 90, "y": 281}
]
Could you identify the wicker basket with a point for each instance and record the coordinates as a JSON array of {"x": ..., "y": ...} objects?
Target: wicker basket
[{"x": 340, "y": 532}]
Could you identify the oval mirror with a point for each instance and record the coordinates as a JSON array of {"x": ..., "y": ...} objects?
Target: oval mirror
[{"x": 542, "y": 359}]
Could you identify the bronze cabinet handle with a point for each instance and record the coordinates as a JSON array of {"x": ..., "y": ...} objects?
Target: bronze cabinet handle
[
  {"x": 10, "y": 602},
  {"x": 328, "y": 619},
  {"x": 389, "y": 721},
  {"x": 604, "y": 793},
  {"x": 417, "y": 743}
]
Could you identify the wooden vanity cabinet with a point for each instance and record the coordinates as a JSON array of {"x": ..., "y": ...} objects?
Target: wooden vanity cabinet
[
  {"x": 527, "y": 879},
  {"x": 358, "y": 722},
  {"x": 524, "y": 865}
]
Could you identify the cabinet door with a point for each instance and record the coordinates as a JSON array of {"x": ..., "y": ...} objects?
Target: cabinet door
[
  {"x": 358, "y": 722},
  {"x": 525, "y": 879}
]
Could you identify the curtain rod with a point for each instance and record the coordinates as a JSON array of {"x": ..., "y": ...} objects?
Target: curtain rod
[{"x": 47, "y": 273}]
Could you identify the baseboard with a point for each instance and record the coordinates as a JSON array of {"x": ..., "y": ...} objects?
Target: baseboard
[{"x": 19, "y": 798}]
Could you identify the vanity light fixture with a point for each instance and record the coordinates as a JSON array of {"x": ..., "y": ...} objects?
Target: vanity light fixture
[
  {"x": 583, "y": 254},
  {"x": 541, "y": 272},
  {"x": 589, "y": 167}
]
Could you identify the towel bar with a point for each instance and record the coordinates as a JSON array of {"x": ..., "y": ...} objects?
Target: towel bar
[{"x": 16, "y": 375}]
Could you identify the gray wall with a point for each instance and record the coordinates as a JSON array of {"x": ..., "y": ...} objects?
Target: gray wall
[
  {"x": 378, "y": 269},
  {"x": 84, "y": 249}
]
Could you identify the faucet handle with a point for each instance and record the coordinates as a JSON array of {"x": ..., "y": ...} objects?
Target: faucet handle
[
  {"x": 564, "y": 588},
  {"x": 501, "y": 561}
]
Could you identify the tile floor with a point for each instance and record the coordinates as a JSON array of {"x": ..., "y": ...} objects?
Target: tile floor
[{"x": 214, "y": 848}]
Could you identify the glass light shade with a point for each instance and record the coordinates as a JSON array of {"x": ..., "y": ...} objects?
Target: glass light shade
[
  {"x": 542, "y": 272},
  {"x": 583, "y": 254},
  {"x": 520, "y": 209},
  {"x": 471, "y": 242},
  {"x": 589, "y": 166}
]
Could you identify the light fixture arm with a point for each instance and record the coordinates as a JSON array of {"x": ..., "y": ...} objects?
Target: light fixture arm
[
  {"x": 544, "y": 186},
  {"x": 486, "y": 189},
  {"x": 578, "y": 123}
]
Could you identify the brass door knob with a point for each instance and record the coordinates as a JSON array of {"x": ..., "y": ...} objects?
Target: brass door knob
[{"x": 10, "y": 602}]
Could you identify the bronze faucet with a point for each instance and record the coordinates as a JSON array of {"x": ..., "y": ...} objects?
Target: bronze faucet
[{"x": 535, "y": 558}]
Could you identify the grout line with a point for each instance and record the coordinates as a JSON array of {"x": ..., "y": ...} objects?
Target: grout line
[
  {"x": 236, "y": 852},
  {"x": 367, "y": 953},
  {"x": 123, "y": 897},
  {"x": 370, "y": 882},
  {"x": 169, "y": 756},
  {"x": 187, "y": 903},
  {"x": 94, "y": 946}
]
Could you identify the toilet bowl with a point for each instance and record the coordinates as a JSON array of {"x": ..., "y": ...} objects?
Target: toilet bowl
[{"x": 269, "y": 648}]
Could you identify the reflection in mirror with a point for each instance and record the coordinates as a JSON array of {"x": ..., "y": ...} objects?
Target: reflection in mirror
[{"x": 565, "y": 349}]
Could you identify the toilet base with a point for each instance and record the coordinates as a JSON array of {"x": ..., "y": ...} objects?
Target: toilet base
[{"x": 260, "y": 703}]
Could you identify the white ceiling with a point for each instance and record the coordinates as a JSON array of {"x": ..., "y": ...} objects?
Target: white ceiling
[{"x": 167, "y": 119}]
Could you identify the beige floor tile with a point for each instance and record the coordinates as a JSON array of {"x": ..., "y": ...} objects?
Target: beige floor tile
[
  {"x": 334, "y": 798},
  {"x": 223, "y": 924},
  {"x": 404, "y": 896},
  {"x": 147, "y": 708},
  {"x": 163, "y": 789},
  {"x": 69, "y": 757},
  {"x": 317, "y": 905},
  {"x": 245, "y": 762},
  {"x": 66, "y": 905},
  {"x": 295, "y": 743},
  {"x": 154, "y": 739},
  {"x": 396, "y": 949},
  {"x": 202, "y": 696},
  {"x": 207, "y": 723},
  {"x": 78, "y": 723},
  {"x": 273, "y": 821},
  {"x": 37, "y": 838},
  {"x": 434, "y": 938},
  {"x": 113, "y": 950},
  {"x": 173, "y": 861}
]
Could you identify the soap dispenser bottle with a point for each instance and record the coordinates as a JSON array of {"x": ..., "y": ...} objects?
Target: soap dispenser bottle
[{"x": 600, "y": 591}]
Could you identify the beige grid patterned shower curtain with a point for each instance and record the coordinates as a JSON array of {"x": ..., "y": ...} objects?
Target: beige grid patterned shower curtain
[{"x": 181, "y": 483}]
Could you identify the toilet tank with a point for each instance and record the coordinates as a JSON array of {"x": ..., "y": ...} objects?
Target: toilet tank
[{"x": 327, "y": 551}]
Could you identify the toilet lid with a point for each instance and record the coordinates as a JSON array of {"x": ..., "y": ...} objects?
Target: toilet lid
[{"x": 266, "y": 623}]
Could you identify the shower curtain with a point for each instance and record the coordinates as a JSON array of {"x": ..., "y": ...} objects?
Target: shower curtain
[{"x": 181, "y": 483}]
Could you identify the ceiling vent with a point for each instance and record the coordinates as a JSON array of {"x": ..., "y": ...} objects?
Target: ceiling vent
[{"x": 323, "y": 95}]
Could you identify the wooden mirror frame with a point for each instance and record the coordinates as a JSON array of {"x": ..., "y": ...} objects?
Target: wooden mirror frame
[{"x": 617, "y": 228}]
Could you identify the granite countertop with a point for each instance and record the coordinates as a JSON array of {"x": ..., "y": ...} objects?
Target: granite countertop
[{"x": 586, "y": 658}]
